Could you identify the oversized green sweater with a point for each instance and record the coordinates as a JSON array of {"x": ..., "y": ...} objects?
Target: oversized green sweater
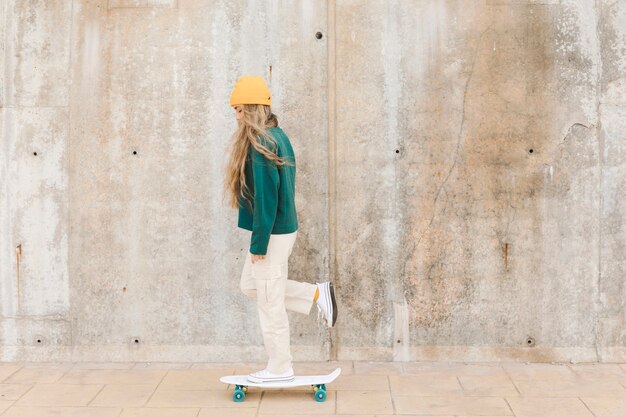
[{"x": 273, "y": 187}]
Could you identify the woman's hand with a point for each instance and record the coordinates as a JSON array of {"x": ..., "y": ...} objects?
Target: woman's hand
[{"x": 256, "y": 257}]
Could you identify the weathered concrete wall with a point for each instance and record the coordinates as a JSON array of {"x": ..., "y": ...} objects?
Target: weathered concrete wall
[{"x": 460, "y": 168}]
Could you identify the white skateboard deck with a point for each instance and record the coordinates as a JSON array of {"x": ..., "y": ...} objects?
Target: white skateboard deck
[
  {"x": 318, "y": 382},
  {"x": 242, "y": 380}
]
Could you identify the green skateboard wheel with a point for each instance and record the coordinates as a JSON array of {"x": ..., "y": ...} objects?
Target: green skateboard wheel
[
  {"x": 320, "y": 395},
  {"x": 240, "y": 394}
]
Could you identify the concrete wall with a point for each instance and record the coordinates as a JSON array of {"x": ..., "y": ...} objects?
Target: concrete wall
[{"x": 460, "y": 168}]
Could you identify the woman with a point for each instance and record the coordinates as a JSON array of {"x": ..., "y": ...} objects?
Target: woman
[{"x": 260, "y": 179}]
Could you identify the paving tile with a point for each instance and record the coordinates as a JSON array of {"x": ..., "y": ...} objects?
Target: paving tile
[
  {"x": 162, "y": 365},
  {"x": 113, "y": 376},
  {"x": 598, "y": 370},
  {"x": 360, "y": 383},
  {"x": 16, "y": 411},
  {"x": 607, "y": 406},
  {"x": 4, "y": 405},
  {"x": 454, "y": 368},
  {"x": 103, "y": 365},
  {"x": 343, "y": 415},
  {"x": 13, "y": 391},
  {"x": 378, "y": 368},
  {"x": 59, "y": 395},
  {"x": 364, "y": 402},
  {"x": 123, "y": 396},
  {"x": 37, "y": 374},
  {"x": 452, "y": 405},
  {"x": 537, "y": 371},
  {"x": 293, "y": 402},
  {"x": 60, "y": 365},
  {"x": 195, "y": 379},
  {"x": 495, "y": 385},
  {"x": 548, "y": 407},
  {"x": 425, "y": 385},
  {"x": 7, "y": 369},
  {"x": 200, "y": 398},
  {"x": 162, "y": 412},
  {"x": 227, "y": 412},
  {"x": 578, "y": 387}
]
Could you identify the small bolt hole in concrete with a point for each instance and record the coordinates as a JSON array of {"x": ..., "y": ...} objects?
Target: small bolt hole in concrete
[
  {"x": 531, "y": 150},
  {"x": 530, "y": 341},
  {"x": 397, "y": 150},
  {"x": 35, "y": 153},
  {"x": 319, "y": 35},
  {"x": 134, "y": 152}
]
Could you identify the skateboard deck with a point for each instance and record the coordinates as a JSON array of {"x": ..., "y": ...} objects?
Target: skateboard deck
[{"x": 317, "y": 382}]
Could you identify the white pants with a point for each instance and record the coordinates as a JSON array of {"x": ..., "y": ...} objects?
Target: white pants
[{"x": 266, "y": 282}]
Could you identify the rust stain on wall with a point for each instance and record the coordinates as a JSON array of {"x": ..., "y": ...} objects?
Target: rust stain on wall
[{"x": 18, "y": 262}]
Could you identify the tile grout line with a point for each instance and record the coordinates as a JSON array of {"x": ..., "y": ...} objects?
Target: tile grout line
[
  {"x": 258, "y": 408},
  {"x": 67, "y": 371},
  {"x": 94, "y": 397},
  {"x": 587, "y": 407},
  {"x": 8, "y": 408},
  {"x": 393, "y": 403},
  {"x": 461, "y": 385},
  {"x": 4, "y": 381},
  {"x": 511, "y": 379},
  {"x": 167, "y": 371},
  {"x": 509, "y": 405}
]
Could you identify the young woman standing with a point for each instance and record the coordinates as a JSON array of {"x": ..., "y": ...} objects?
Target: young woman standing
[{"x": 260, "y": 179}]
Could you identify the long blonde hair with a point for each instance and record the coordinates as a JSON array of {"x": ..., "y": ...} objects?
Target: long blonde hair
[{"x": 254, "y": 125}]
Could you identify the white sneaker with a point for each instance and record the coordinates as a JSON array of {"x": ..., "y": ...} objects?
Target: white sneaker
[
  {"x": 326, "y": 303},
  {"x": 267, "y": 376}
]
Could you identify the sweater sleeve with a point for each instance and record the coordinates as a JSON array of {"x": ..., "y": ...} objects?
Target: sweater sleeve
[{"x": 266, "y": 184}]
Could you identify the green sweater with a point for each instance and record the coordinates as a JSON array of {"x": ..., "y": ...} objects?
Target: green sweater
[{"x": 273, "y": 187}]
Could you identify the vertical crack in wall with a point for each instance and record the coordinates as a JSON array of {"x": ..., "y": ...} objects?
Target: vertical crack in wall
[{"x": 459, "y": 139}]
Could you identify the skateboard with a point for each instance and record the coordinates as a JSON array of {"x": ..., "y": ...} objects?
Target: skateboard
[{"x": 317, "y": 382}]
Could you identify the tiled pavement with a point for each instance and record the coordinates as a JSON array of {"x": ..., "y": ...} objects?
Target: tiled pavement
[{"x": 487, "y": 389}]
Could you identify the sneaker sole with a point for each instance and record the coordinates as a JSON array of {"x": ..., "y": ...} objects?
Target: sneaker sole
[{"x": 331, "y": 290}]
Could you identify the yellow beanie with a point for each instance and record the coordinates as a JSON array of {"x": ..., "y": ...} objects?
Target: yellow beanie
[{"x": 250, "y": 90}]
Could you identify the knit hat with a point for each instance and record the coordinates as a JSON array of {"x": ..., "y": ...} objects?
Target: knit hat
[{"x": 250, "y": 90}]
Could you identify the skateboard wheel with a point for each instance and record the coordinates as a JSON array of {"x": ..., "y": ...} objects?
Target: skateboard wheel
[
  {"x": 239, "y": 395},
  {"x": 320, "y": 395}
]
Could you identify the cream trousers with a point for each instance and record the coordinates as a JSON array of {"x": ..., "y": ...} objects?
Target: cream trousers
[{"x": 266, "y": 282}]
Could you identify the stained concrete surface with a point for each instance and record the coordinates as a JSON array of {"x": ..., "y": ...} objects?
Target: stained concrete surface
[{"x": 460, "y": 168}]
